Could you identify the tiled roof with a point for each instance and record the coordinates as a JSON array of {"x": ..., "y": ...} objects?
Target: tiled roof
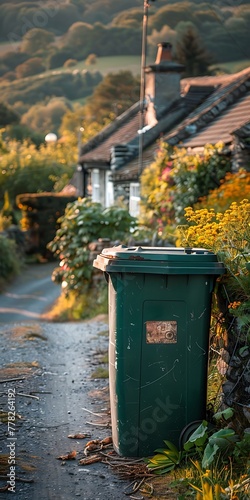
[
  {"x": 208, "y": 111},
  {"x": 196, "y": 95},
  {"x": 221, "y": 83},
  {"x": 220, "y": 129},
  {"x": 226, "y": 100},
  {"x": 121, "y": 130},
  {"x": 125, "y": 128}
]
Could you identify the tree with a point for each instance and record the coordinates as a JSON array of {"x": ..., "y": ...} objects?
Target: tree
[
  {"x": 171, "y": 15},
  {"x": 28, "y": 169},
  {"x": 129, "y": 18},
  {"x": 12, "y": 58},
  {"x": 190, "y": 52},
  {"x": 21, "y": 132},
  {"x": 57, "y": 58},
  {"x": 7, "y": 115},
  {"x": 91, "y": 59},
  {"x": 104, "y": 11},
  {"x": 77, "y": 35},
  {"x": 116, "y": 93},
  {"x": 75, "y": 128},
  {"x": 31, "y": 67},
  {"x": 36, "y": 40},
  {"x": 46, "y": 117}
]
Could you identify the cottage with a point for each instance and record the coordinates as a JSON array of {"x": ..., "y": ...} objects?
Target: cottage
[{"x": 190, "y": 112}]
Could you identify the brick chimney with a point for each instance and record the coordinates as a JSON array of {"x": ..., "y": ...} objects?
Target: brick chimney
[
  {"x": 164, "y": 52},
  {"x": 162, "y": 83}
]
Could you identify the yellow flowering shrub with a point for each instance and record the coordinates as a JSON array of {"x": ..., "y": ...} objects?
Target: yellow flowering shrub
[
  {"x": 227, "y": 235},
  {"x": 234, "y": 187}
]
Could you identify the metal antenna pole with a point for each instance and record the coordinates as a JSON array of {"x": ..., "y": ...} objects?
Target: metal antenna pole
[{"x": 142, "y": 88}]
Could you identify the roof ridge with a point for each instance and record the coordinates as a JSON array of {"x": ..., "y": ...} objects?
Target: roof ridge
[{"x": 216, "y": 80}]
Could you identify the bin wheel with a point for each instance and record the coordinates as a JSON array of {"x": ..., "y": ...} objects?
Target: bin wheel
[{"x": 188, "y": 430}]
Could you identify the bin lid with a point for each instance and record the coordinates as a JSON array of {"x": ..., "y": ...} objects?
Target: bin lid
[{"x": 158, "y": 260}]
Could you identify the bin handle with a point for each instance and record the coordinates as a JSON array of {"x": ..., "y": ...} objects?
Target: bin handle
[{"x": 189, "y": 250}]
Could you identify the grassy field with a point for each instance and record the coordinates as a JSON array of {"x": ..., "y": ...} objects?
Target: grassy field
[
  {"x": 105, "y": 65},
  {"x": 234, "y": 66},
  {"x": 111, "y": 64}
]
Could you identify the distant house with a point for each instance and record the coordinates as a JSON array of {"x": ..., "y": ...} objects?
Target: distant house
[{"x": 190, "y": 112}]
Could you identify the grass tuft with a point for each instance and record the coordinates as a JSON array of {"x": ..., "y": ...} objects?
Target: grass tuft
[{"x": 76, "y": 308}]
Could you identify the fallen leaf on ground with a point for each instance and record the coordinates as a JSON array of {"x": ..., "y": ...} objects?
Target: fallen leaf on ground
[
  {"x": 94, "y": 441},
  {"x": 90, "y": 460},
  {"x": 78, "y": 436},
  {"x": 97, "y": 444},
  {"x": 70, "y": 456},
  {"x": 107, "y": 440}
]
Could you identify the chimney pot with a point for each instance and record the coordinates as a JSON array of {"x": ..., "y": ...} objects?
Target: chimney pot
[{"x": 164, "y": 52}]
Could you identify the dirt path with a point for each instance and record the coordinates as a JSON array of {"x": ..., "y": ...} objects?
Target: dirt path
[
  {"x": 46, "y": 379},
  {"x": 55, "y": 363},
  {"x": 31, "y": 293}
]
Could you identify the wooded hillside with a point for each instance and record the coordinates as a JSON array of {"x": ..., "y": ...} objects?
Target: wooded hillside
[
  {"x": 222, "y": 25},
  {"x": 42, "y": 44}
]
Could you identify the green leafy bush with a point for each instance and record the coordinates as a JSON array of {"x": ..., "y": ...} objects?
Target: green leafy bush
[
  {"x": 85, "y": 221},
  {"x": 9, "y": 260}
]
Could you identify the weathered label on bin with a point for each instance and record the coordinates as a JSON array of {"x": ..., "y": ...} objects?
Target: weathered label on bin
[{"x": 161, "y": 332}]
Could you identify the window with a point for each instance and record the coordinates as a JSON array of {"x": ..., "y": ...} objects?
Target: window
[
  {"x": 109, "y": 190},
  {"x": 95, "y": 179},
  {"x": 134, "y": 199}
]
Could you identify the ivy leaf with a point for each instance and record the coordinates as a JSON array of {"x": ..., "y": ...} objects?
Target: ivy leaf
[
  {"x": 223, "y": 438},
  {"x": 198, "y": 438},
  {"x": 209, "y": 454},
  {"x": 226, "y": 414}
]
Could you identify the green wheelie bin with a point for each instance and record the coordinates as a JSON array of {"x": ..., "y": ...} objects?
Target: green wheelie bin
[{"x": 159, "y": 318}]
